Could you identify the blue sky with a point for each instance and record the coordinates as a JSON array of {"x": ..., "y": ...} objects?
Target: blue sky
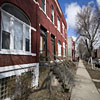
[{"x": 70, "y": 8}]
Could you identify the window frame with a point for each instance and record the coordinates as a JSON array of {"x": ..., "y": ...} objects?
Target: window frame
[
  {"x": 63, "y": 29},
  {"x": 59, "y": 48},
  {"x": 44, "y": 10},
  {"x": 58, "y": 24},
  {"x": 64, "y": 50},
  {"x": 12, "y": 50},
  {"x": 52, "y": 14},
  {"x": 4, "y": 84}
]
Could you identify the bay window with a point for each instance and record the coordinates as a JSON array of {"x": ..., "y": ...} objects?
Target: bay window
[{"x": 15, "y": 34}]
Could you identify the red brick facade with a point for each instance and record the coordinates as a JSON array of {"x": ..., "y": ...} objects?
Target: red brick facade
[
  {"x": 32, "y": 8},
  {"x": 27, "y": 33}
]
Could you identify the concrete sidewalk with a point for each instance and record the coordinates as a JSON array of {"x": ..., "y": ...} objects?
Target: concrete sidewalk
[{"x": 84, "y": 87}]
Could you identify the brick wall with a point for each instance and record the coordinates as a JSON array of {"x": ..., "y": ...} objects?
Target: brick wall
[{"x": 37, "y": 18}]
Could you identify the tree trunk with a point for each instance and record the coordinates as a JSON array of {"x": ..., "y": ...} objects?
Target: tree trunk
[{"x": 91, "y": 59}]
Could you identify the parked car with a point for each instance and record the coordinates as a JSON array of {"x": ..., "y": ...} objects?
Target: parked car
[{"x": 97, "y": 62}]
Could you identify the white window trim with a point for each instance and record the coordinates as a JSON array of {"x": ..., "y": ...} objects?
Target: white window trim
[
  {"x": 64, "y": 50},
  {"x": 17, "y": 70},
  {"x": 17, "y": 67},
  {"x": 12, "y": 50},
  {"x": 63, "y": 27},
  {"x": 41, "y": 49},
  {"x": 16, "y": 52}
]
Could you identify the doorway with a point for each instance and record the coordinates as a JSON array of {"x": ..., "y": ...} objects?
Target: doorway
[
  {"x": 43, "y": 44},
  {"x": 53, "y": 46}
]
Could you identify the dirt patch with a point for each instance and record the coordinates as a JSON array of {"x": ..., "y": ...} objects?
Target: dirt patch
[
  {"x": 44, "y": 94},
  {"x": 97, "y": 84},
  {"x": 95, "y": 74}
]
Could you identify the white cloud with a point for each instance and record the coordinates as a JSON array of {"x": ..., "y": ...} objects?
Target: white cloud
[
  {"x": 71, "y": 12},
  {"x": 98, "y": 2},
  {"x": 74, "y": 38},
  {"x": 91, "y": 2}
]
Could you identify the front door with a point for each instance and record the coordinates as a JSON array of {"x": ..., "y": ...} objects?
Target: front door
[
  {"x": 52, "y": 47},
  {"x": 43, "y": 45}
]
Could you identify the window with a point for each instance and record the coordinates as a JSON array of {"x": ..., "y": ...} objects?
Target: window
[
  {"x": 5, "y": 32},
  {"x": 58, "y": 23},
  {"x": 16, "y": 33},
  {"x": 41, "y": 44},
  {"x": 59, "y": 48},
  {"x": 4, "y": 87},
  {"x": 5, "y": 40},
  {"x": 27, "y": 39},
  {"x": 43, "y": 41},
  {"x": 63, "y": 49},
  {"x": 43, "y": 5},
  {"x": 63, "y": 28},
  {"x": 52, "y": 14}
]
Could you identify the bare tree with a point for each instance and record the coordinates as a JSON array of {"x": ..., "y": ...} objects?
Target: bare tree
[
  {"x": 87, "y": 26},
  {"x": 82, "y": 49}
]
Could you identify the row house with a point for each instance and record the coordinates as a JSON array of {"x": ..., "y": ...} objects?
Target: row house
[
  {"x": 71, "y": 48},
  {"x": 52, "y": 28},
  {"x": 29, "y": 30}
]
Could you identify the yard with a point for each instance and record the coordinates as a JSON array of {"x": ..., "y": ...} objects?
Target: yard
[
  {"x": 57, "y": 93},
  {"x": 94, "y": 74},
  {"x": 44, "y": 94}
]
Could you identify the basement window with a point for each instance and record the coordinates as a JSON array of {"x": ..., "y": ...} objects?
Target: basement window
[{"x": 4, "y": 87}]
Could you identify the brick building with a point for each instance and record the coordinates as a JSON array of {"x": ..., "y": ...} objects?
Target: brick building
[
  {"x": 71, "y": 48},
  {"x": 29, "y": 29}
]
